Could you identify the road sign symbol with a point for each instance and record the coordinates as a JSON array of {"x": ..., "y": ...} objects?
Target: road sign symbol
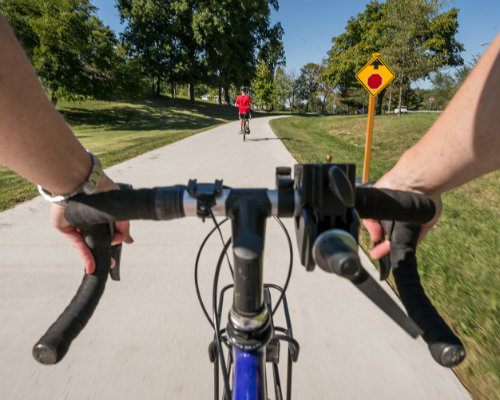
[
  {"x": 374, "y": 81},
  {"x": 376, "y": 64},
  {"x": 375, "y": 75}
]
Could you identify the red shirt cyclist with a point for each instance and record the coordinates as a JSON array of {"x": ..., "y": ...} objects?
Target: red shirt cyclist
[{"x": 244, "y": 102}]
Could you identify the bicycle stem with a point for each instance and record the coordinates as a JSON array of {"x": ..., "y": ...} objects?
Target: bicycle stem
[{"x": 249, "y": 325}]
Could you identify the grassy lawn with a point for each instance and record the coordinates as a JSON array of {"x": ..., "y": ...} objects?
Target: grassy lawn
[
  {"x": 459, "y": 260},
  {"x": 117, "y": 131}
]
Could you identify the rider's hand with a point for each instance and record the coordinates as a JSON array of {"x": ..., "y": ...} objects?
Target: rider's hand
[
  {"x": 75, "y": 237},
  {"x": 375, "y": 229}
]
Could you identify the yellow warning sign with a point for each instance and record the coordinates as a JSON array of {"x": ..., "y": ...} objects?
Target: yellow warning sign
[{"x": 375, "y": 75}]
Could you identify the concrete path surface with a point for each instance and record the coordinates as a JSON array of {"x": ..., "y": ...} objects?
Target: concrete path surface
[{"x": 148, "y": 338}]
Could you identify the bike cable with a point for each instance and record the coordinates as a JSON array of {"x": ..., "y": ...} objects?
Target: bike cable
[
  {"x": 290, "y": 266},
  {"x": 196, "y": 268},
  {"x": 216, "y": 320}
]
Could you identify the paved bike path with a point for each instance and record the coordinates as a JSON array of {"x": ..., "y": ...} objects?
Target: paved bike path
[{"x": 148, "y": 338}]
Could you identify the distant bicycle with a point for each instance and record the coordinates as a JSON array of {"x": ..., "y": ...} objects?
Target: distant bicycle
[
  {"x": 245, "y": 125},
  {"x": 244, "y": 104}
]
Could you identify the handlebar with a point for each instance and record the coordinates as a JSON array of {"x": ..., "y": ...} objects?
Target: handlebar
[
  {"x": 52, "y": 346},
  {"x": 94, "y": 213},
  {"x": 172, "y": 202}
]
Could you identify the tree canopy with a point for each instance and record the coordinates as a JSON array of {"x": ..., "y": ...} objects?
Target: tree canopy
[
  {"x": 220, "y": 45},
  {"x": 414, "y": 36},
  {"x": 70, "y": 48}
]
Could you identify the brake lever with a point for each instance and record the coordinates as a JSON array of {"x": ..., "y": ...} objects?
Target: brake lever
[
  {"x": 116, "y": 250},
  {"x": 385, "y": 262},
  {"x": 116, "y": 253},
  {"x": 334, "y": 251}
]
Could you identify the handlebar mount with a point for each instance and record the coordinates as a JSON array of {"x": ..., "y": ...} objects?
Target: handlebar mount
[{"x": 326, "y": 201}]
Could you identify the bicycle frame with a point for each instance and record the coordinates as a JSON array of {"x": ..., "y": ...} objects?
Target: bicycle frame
[
  {"x": 249, "y": 372},
  {"x": 250, "y": 328},
  {"x": 244, "y": 121}
]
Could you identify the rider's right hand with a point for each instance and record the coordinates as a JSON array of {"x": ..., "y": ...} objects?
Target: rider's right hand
[{"x": 375, "y": 229}]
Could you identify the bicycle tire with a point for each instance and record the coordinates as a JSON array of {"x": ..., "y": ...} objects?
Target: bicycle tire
[{"x": 244, "y": 128}]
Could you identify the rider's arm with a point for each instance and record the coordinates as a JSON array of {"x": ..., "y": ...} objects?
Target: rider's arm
[
  {"x": 34, "y": 139},
  {"x": 464, "y": 143}
]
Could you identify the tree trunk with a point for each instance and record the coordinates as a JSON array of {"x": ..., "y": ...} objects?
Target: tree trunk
[
  {"x": 158, "y": 87},
  {"x": 220, "y": 95},
  {"x": 380, "y": 100},
  {"x": 172, "y": 87},
  {"x": 191, "y": 91},
  {"x": 53, "y": 98},
  {"x": 226, "y": 95},
  {"x": 400, "y": 93}
]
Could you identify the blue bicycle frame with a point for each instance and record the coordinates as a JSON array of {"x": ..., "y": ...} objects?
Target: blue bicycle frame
[{"x": 249, "y": 374}]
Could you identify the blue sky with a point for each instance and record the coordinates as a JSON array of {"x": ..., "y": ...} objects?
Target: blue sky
[{"x": 310, "y": 25}]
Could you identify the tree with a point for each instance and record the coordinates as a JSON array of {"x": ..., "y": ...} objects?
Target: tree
[
  {"x": 307, "y": 83},
  {"x": 412, "y": 35},
  {"x": 273, "y": 51},
  {"x": 128, "y": 76},
  {"x": 352, "y": 49},
  {"x": 284, "y": 85},
  {"x": 419, "y": 40},
  {"x": 263, "y": 85},
  {"x": 188, "y": 67},
  {"x": 325, "y": 89},
  {"x": 70, "y": 48},
  {"x": 230, "y": 33},
  {"x": 148, "y": 37}
]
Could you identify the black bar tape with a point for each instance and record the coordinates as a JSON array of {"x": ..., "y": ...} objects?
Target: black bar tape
[
  {"x": 443, "y": 344},
  {"x": 385, "y": 204},
  {"x": 169, "y": 202},
  {"x": 123, "y": 205},
  {"x": 52, "y": 346}
]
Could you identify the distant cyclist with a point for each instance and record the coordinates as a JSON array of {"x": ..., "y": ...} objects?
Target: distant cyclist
[{"x": 244, "y": 102}]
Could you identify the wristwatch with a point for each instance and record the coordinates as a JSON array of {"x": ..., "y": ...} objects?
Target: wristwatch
[{"x": 88, "y": 186}]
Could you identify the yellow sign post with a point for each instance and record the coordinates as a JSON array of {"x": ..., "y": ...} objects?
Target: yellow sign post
[{"x": 374, "y": 77}]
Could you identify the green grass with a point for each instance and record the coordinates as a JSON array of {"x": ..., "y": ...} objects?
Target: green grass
[
  {"x": 118, "y": 131},
  {"x": 459, "y": 259}
]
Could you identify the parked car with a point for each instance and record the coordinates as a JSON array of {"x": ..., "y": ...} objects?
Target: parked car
[
  {"x": 362, "y": 111},
  {"x": 404, "y": 110}
]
